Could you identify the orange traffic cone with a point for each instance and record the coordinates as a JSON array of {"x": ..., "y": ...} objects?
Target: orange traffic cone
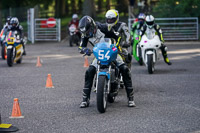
[
  {"x": 38, "y": 62},
  {"x": 16, "y": 112},
  {"x": 49, "y": 83},
  {"x": 86, "y": 64}
]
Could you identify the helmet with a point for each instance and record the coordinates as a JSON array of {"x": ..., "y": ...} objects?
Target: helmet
[
  {"x": 74, "y": 16},
  {"x": 141, "y": 16},
  {"x": 87, "y": 26},
  {"x": 112, "y": 17},
  {"x": 14, "y": 22},
  {"x": 8, "y": 19},
  {"x": 150, "y": 21}
]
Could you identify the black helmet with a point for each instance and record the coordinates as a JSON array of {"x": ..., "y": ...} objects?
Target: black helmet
[
  {"x": 14, "y": 22},
  {"x": 8, "y": 19},
  {"x": 87, "y": 26}
]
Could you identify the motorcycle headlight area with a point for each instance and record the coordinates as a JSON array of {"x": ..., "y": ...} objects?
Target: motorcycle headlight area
[{"x": 11, "y": 40}]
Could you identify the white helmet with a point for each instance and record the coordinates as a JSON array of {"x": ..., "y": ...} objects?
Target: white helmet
[
  {"x": 112, "y": 17},
  {"x": 74, "y": 16},
  {"x": 150, "y": 21}
]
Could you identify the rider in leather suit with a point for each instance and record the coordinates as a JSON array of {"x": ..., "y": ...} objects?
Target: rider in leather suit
[
  {"x": 151, "y": 24},
  {"x": 94, "y": 34},
  {"x": 120, "y": 29}
]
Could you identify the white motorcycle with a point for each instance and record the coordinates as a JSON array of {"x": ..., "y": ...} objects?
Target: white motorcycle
[
  {"x": 150, "y": 46},
  {"x": 74, "y": 38}
]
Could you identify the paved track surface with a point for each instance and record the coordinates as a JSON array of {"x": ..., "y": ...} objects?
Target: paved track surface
[{"x": 168, "y": 101}]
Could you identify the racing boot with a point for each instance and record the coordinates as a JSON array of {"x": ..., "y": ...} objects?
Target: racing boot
[
  {"x": 130, "y": 96},
  {"x": 86, "y": 98},
  {"x": 164, "y": 53},
  {"x": 128, "y": 84},
  {"x": 24, "y": 53}
]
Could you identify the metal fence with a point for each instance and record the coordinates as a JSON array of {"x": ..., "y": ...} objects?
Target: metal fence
[
  {"x": 44, "y": 33},
  {"x": 177, "y": 28}
]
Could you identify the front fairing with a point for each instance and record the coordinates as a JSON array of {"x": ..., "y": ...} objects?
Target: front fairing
[{"x": 105, "y": 52}]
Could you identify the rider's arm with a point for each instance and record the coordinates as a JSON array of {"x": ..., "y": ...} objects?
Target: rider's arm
[
  {"x": 21, "y": 31},
  {"x": 83, "y": 44},
  {"x": 126, "y": 33},
  {"x": 134, "y": 26},
  {"x": 159, "y": 31},
  {"x": 142, "y": 31}
]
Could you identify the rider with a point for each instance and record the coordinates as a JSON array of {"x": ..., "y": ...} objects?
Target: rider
[
  {"x": 149, "y": 24},
  {"x": 75, "y": 21},
  {"x": 139, "y": 23},
  {"x": 7, "y": 25},
  {"x": 15, "y": 26},
  {"x": 93, "y": 34},
  {"x": 120, "y": 29}
]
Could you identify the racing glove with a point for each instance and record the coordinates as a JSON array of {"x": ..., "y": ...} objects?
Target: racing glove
[{"x": 84, "y": 50}]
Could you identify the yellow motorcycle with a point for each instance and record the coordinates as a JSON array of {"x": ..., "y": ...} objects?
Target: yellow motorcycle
[{"x": 14, "y": 48}]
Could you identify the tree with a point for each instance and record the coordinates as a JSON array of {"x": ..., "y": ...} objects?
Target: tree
[
  {"x": 122, "y": 6},
  {"x": 177, "y": 8},
  {"x": 89, "y": 8}
]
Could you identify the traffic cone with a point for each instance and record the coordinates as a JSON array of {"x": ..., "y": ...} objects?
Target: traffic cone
[
  {"x": 16, "y": 112},
  {"x": 49, "y": 83},
  {"x": 86, "y": 64},
  {"x": 38, "y": 62}
]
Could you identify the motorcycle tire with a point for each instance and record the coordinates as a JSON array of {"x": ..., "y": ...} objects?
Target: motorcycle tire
[
  {"x": 140, "y": 57},
  {"x": 10, "y": 57},
  {"x": 113, "y": 93},
  {"x": 3, "y": 52},
  {"x": 150, "y": 63},
  {"x": 71, "y": 42},
  {"x": 102, "y": 94},
  {"x": 19, "y": 61}
]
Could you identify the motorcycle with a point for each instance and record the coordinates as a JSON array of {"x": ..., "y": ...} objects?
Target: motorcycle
[
  {"x": 107, "y": 75},
  {"x": 14, "y": 48},
  {"x": 74, "y": 37},
  {"x": 136, "y": 49},
  {"x": 150, "y": 46}
]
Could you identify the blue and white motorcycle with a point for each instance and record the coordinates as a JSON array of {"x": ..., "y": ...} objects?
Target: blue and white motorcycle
[{"x": 107, "y": 75}]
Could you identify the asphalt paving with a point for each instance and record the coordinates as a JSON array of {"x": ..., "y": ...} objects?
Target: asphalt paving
[{"x": 168, "y": 101}]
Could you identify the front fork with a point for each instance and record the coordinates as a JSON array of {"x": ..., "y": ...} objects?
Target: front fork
[{"x": 108, "y": 79}]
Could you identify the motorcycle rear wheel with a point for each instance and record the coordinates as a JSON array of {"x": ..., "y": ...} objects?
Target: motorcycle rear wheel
[
  {"x": 102, "y": 94},
  {"x": 19, "y": 61}
]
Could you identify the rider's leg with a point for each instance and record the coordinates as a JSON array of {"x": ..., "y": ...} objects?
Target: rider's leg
[
  {"x": 89, "y": 76},
  {"x": 164, "y": 53},
  {"x": 127, "y": 81}
]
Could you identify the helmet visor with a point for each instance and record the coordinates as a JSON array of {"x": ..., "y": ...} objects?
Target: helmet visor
[
  {"x": 89, "y": 33},
  {"x": 150, "y": 23},
  {"x": 111, "y": 20}
]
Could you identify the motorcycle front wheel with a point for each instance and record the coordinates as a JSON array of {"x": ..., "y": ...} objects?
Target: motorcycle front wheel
[
  {"x": 10, "y": 57},
  {"x": 102, "y": 94},
  {"x": 71, "y": 41},
  {"x": 150, "y": 64},
  {"x": 140, "y": 57}
]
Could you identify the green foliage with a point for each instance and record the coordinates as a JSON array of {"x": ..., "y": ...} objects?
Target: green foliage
[{"x": 177, "y": 8}]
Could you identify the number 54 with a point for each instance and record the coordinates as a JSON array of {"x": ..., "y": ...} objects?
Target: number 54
[{"x": 102, "y": 56}]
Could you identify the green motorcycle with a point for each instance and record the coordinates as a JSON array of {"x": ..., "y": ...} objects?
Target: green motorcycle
[{"x": 136, "y": 49}]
